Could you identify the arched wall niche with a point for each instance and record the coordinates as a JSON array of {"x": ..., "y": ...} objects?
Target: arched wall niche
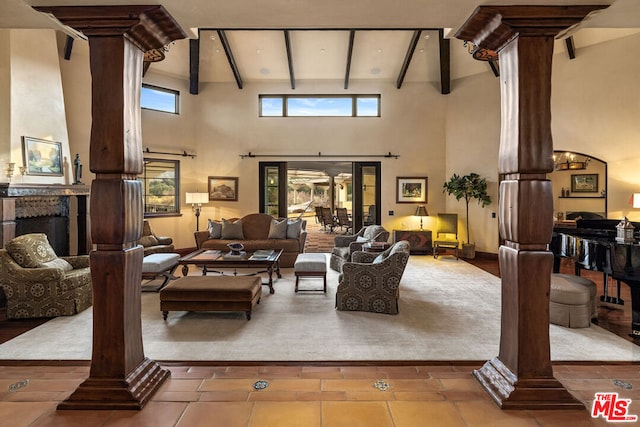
[{"x": 579, "y": 184}]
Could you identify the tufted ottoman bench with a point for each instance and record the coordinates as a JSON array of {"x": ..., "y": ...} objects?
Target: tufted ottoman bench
[
  {"x": 160, "y": 264},
  {"x": 311, "y": 265},
  {"x": 211, "y": 293},
  {"x": 572, "y": 301}
]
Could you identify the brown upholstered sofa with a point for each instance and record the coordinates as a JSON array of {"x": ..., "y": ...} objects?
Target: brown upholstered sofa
[{"x": 256, "y": 229}]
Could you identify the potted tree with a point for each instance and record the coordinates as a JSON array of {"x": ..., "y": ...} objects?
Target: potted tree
[{"x": 468, "y": 187}]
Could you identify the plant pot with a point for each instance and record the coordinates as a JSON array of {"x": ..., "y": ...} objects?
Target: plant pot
[{"x": 469, "y": 250}]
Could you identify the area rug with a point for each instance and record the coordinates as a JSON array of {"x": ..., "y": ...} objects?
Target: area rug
[{"x": 449, "y": 311}]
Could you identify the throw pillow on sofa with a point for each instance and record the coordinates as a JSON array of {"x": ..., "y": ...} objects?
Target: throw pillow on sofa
[
  {"x": 232, "y": 230},
  {"x": 278, "y": 230},
  {"x": 294, "y": 228},
  {"x": 215, "y": 229}
]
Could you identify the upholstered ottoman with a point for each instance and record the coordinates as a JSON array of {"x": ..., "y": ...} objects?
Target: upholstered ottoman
[
  {"x": 160, "y": 264},
  {"x": 211, "y": 293},
  {"x": 572, "y": 301},
  {"x": 311, "y": 265}
]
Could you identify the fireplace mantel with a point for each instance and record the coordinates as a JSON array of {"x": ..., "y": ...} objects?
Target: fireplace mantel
[
  {"x": 26, "y": 203},
  {"x": 22, "y": 190}
]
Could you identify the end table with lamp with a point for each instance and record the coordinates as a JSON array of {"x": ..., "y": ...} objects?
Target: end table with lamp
[
  {"x": 419, "y": 240},
  {"x": 196, "y": 200}
]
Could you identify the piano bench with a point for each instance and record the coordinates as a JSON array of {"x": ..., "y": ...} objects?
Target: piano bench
[{"x": 572, "y": 301}]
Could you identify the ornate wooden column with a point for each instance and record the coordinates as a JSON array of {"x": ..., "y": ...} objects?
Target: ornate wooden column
[
  {"x": 121, "y": 377},
  {"x": 521, "y": 377}
]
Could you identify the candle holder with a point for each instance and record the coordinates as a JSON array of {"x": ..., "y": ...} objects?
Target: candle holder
[{"x": 9, "y": 170}]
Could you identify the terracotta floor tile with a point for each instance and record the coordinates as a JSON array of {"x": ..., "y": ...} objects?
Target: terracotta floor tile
[
  {"x": 216, "y": 414},
  {"x": 73, "y": 418},
  {"x": 281, "y": 384},
  {"x": 281, "y": 371},
  {"x": 51, "y": 385},
  {"x": 18, "y": 414},
  {"x": 566, "y": 418},
  {"x": 36, "y": 396},
  {"x": 237, "y": 384},
  {"x": 278, "y": 396},
  {"x": 486, "y": 413},
  {"x": 356, "y": 414},
  {"x": 461, "y": 384},
  {"x": 173, "y": 384},
  {"x": 154, "y": 414},
  {"x": 286, "y": 414},
  {"x": 454, "y": 395},
  {"x": 176, "y": 396},
  {"x": 321, "y": 372},
  {"x": 322, "y": 395},
  {"x": 418, "y": 414},
  {"x": 418, "y": 395},
  {"x": 224, "y": 396},
  {"x": 349, "y": 372},
  {"x": 369, "y": 395}
]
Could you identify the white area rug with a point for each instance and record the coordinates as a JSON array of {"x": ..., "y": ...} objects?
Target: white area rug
[{"x": 449, "y": 310}]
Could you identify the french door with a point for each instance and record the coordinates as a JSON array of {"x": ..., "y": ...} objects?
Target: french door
[{"x": 366, "y": 210}]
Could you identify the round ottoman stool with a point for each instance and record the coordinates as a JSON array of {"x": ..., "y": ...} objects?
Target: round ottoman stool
[{"x": 571, "y": 301}]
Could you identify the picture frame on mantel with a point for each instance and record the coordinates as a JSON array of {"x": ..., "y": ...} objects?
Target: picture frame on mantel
[
  {"x": 42, "y": 157},
  {"x": 584, "y": 183},
  {"x": 411, "y": 189},
  {"x": 223, "y": 188}
]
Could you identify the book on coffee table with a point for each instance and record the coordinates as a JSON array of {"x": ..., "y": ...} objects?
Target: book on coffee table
[{"x": 262, "y": 254}]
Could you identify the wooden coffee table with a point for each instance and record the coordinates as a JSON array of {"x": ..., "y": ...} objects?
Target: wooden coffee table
[{"x": 267, "y": 261}]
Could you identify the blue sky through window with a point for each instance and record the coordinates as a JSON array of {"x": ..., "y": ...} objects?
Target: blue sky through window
[
  {"x": 271, "y": 107},
  {"x": 319, "y": 107},
  {"x": 157, "y": 99}
]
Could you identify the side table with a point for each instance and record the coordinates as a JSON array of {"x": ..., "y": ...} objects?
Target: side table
[{"x": 419, "y": 240}]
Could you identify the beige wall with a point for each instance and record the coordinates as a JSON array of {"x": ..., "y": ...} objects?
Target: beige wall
[
  {"x": 32, "y": 88},
  {"x": 595, "y": 103}
]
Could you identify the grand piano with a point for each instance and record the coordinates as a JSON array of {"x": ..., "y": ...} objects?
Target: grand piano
[{"x": 591, "y": 244}]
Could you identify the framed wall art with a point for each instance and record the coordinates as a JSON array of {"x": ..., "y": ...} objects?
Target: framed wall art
[
  {"x": 223, "y": 188},
  {"x": 42, "y": 157},
  {"x": 411, "y": 190},
  {"x": 584, "y": 183}
]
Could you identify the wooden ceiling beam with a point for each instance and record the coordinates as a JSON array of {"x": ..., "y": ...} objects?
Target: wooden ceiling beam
[
  {"x": 68, "y": 47},
  {"x": 408, "y": 56},
  {"x": 229, "y": 53},
  {"x": 194, "y": 66},
  {"x": 287, "y": 44},
  {"x": 445, "y": 63},
  {"x": 571, "y": 48},
  {"x": 352, "y": 38}
]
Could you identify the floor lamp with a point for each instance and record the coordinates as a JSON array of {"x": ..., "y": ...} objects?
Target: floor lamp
[{"x": 196, "y": 200}]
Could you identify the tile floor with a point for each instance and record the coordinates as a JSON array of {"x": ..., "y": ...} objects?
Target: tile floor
[{"x": 308, "y": 396}]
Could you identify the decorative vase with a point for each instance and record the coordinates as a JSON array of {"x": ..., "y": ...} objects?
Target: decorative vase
[{"x": 236, "y": 248}]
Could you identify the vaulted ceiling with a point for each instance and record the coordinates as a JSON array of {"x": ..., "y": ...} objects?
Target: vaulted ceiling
[{"x": 335, "y": 40}]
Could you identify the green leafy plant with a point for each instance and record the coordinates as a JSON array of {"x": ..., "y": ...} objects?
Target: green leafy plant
[{"x": 468, "y": 187}]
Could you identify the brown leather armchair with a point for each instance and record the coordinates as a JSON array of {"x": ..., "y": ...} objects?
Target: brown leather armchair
[{"x": 154, "y": 244}]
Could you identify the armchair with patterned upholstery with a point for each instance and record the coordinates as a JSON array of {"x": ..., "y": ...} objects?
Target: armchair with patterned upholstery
[
  {"x": 345, "y": 246},
  {"x": 37, "y": 283},
  {"x": 371, "y": 282},
  {"x": 153, "y": 244}
]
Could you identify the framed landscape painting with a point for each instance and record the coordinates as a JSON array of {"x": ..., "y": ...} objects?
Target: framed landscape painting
[
  {"x": 584, "y": 183},
  {"x": 223, "y": 188},
  {"x": 411, "y": 190},
  {"x": 42, "y": 157}
]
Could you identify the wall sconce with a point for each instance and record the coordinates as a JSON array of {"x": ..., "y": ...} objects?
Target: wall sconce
[
  {"x": 421, "y": 211},
  {"x": 196, "y": 200},
  {"x": 9, "y": 170}
]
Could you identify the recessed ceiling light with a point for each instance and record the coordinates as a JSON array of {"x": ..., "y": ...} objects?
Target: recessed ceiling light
[
  {"x": 258, "y": 51},
  {"x": 375, "y": 71},
  {"x": 265, "y": 71},
  {"x": 217, "y": 50},
  {"x": 427, "y": 37},
  {"x": 379, "y": 50},
  {"x": 321, "y": 50},
  {"x": 421, "y": 50},
  {"x": 212, "y": 37}
]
